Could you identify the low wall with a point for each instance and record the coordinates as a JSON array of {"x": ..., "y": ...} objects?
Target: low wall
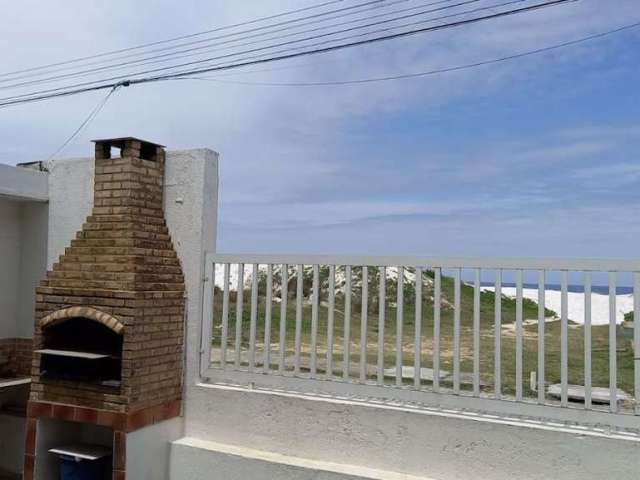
[{"x": 442, "y": 445}]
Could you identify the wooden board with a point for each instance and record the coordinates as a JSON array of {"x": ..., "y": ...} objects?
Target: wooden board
[
  {"x": 70, "y": 353},
  {"x": 82, "y": 451},
  {"x": 13, "y": 382}
]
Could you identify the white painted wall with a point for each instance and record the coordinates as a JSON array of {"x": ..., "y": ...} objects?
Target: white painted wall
[
  {"x": 23, "y": 243},
  {"x": 9, "y": 265},
  {"x": 435, "y": 445},
  {"x": 34, "y": 222},
  {"x": 23, "y": 240},
  {"x": 70, "y": 202},
  {"x": 191, "y": 206},
  {"x": 148, "y": 450}
]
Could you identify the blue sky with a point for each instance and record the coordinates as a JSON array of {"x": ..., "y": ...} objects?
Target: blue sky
[{"x": 537, "y": 156}]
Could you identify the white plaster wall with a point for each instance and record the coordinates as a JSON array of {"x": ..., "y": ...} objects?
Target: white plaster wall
[
  {"x": 9, "y": 265},
  {"x": 70, "y": 202},
  {"x": 441, "y": 447},
  {"x": 34, "y": 218},
  {"x": 191, "y": 205},
  {"x": 148, "y": 450}
]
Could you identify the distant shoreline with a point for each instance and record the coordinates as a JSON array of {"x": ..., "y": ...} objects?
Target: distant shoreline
[{"x": 600, "y": 289}]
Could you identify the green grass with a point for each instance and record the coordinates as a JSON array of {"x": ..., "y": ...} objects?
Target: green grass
[{"x": 600, "y": 334}]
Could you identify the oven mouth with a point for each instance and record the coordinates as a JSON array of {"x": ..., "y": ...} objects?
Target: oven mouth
[{"x": 81, "y": 349}]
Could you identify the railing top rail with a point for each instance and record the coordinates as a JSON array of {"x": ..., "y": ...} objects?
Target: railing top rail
[{"x": 506, "y": 263}]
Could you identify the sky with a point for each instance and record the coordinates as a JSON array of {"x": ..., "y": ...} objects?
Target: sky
[{"x": 533, "y": 157}]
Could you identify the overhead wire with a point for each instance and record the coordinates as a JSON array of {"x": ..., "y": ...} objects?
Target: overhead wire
[
  {"x": 424, "y": 73},
  {"x": 93, "y": 114},
  {"x": 176, "y": 55},
  {"x": 260, "y": 58},
  {"x": 181, "y": 37},
  {"x": 90, "y": 86},
  {"x": 369, "y": 3}
]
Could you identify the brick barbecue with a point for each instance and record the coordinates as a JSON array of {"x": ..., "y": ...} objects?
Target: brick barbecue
[{"x": 109, "y": 316}]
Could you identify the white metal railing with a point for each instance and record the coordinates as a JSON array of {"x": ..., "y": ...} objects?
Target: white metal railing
[{"x": 430, "y": 330}]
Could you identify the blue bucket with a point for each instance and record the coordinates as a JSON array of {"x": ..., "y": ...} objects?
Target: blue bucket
[{"x": 72, "y": 469}]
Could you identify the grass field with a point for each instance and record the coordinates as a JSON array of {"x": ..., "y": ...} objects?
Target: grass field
[{"x": 600, "y": 334}]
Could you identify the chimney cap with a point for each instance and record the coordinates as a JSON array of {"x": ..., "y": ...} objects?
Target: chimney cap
[{"x": 120, "y": 142}]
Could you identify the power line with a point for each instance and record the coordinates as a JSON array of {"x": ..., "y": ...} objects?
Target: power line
[
  {"x": 382, "y": 4},
  {"x": 89, "y": 86},
  {"x": 287, "y": 52},
  {"x": 266, "y": 54},
  {"x": 166, "y": 57},
  {"x": 426, "y": 73},
  {"x": 181, "y": 37},
  {"x": 93, "y": 114},
  {"x": 359, "y": 42}
]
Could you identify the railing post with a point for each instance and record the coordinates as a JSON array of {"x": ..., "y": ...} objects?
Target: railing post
[
  {"x": 437, "y": 287},
  {"x": 476, "y": 333},
  {"x": 417, "y": 349},
  {"x": 587, "y": 340},
  {"x": 399, "y": 325},
  {"x": 613, "y": 349},
  {"x": 636, "y": 340},
  {"x": 284, "y": 296},
  {"x": 331, "y": 319},
  {"x": 253, "y": 318},
  {"x": 541, "y": 333},
  {"x": 381, "y": 318},
  {"x": 266, "y": 363},
  {"x": 497, "y": 333},
  {"x": 314, "y": 319},
  {"x": 298, "y": 333},
  {"x": 519, "y": 334},
  {"x": 564, "y": 342},
  {"x": 364, "y": 306},
  {"x": 208, "y": 286},
  {"x": 346, "y": 349},
  {"x": 456, "y": 331},
  {"x": 239, "y": 306}
]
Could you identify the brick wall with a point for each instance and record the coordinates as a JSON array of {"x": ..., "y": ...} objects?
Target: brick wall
[{"x": 15, "y": 357}]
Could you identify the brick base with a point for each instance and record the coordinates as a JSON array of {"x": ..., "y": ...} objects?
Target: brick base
[{"x": 120, "y": 423}]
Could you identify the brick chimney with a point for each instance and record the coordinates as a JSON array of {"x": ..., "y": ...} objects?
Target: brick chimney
[{"x": 109, "y": 315}]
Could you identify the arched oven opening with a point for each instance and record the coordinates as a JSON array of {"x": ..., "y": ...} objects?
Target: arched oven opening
[{"x": 83, "y": 350}]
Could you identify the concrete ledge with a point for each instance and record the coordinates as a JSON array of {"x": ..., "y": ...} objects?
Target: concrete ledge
[
  {"x": 193, "y": 459},
  {"x": 23, "y": 184}
]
